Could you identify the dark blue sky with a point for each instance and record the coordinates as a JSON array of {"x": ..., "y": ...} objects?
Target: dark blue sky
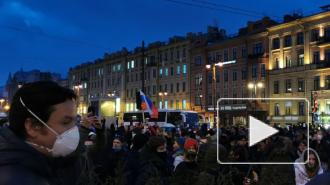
[{"x": 54, "y": 35}]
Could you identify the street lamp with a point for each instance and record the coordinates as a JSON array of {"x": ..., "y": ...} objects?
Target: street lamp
[
  {"x": 214, "y": 85},
  {"x": 7, "y": 107},
  {"x": 162, "y": 94}
]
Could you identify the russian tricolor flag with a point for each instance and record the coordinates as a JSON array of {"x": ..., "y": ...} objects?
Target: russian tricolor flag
[{"x": 146, "y": 104}]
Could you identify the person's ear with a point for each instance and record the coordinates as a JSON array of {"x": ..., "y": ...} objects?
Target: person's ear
[{"x": 32, "y": 130}]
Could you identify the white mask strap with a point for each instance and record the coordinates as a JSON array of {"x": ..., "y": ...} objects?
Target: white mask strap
[{"x": 37, "y": 117}]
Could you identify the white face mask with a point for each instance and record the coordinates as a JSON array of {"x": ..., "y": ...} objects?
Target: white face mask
[{"x": 65, "y": 143}]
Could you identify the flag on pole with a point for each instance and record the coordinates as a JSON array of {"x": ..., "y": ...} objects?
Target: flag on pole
[{"x": 146, "y": 104}]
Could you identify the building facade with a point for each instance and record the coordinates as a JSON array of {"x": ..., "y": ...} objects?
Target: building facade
[{"x": 299, "y": 68}]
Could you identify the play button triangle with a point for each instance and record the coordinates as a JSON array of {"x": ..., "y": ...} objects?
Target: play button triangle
[{"x": 259, "y": 131}]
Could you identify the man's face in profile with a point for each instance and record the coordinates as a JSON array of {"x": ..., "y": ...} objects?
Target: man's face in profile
[{"x": 61, "y": 119}]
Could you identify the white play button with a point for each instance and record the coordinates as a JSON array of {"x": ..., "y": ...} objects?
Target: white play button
[{"x": 259, "y": 131}]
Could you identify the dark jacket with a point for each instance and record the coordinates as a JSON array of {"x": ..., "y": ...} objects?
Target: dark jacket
[
  {"x": 323, "y": 179},
  {"x": 21, "y": 164},
  {"x": 154, "y": 169}
]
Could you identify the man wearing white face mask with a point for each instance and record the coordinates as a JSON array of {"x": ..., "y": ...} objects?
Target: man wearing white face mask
[{"x": 40, "y": 145}]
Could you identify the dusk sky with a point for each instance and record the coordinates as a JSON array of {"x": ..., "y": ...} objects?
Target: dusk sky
[{"x": 54, "y": 35}]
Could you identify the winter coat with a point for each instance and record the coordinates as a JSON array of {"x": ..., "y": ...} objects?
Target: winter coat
[
  {"x": 20, "y": 164},
  {"x": 186, "y": 173},
  {"x": 153, "y": 168},
  {"x": 300, "y": 170}
]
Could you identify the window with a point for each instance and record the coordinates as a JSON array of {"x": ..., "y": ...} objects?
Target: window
[
  {"x": 184, "y": 52},
  {"x": 327, "y": 82},
  {"x": 209, "y": 100},
  {"x": 171, "y": 89},
  {"x": 184, "y": 104},
  {"x": 301, "y": 85},
  {"x": 166, "y": 104},
  {"x": 276, "y": 43},
  {"x": 160, "y": 88},
  {"x": 177, "y": 104},
  {"x": 288, "y": 108},
  {"x": 198, "y": 80},
  {"x": 277, "y": 63},
  {"x": 277, "y": 109},
  {"x": 301, "y": 108},
  {"x": 217, "y": 77},
  {"x": 327, "y": 106},
  {"x": 166, "y": 71},
  {"x": 178, "y": 69},
  {"x": 177, "y": 87},
  {"x": 254, "y": 70},
  {"x": 234, "y": 75},
  {"x": 300, "y": 38},
  {"x": 218, "y": 56},
  {"x": 225, "y": 75},
  {"x": 263, "y": 70},
  {"x": 177, "y": 53},
  {"x": 165, "y": 87},
  {"x": 301, "y": 59},
  {"x": 128, "y": 65},
  {"x": 327, "y": 55},
  {"x": 172, "y": 71},
  {"x": 315, "y": 35},
  {"x": 288, "y": 88},
  {"x": 184, "y": 68},
  {"x": 171, "y": 53},
  {"x": 132, "y": 64},
  {"x": 160, "y": 105},
  {"x": 317, "y": 83},
  {"x": 234, "y": 53},
  {"x": 316, "y": 57},
  {"x": 197, "y": 100},
  {"x": 287, "y": 41},
  {"x": 257, "y": 48},
  {"x": 160, "y": 72},
  {"x": 327, "y": 33},
  {"x": 288, "y": 62},
  {"x": 209, "y": 78},
  {"x": 154, "y": 73},
  {"x": 153, "y": 89},
  {"x": 225, "y": 55},
  {"x": 198, "y": 61},
  {"x": 165, "y": 56},
  {"x": 183, "y": 86},
  {"x": 244, "y": 74},
  {"x": 244, "y": 52},
  {"x": 276, "y": 87}
]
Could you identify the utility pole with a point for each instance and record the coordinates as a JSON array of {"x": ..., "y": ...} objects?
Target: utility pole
[{"x": 143, "y": 63}]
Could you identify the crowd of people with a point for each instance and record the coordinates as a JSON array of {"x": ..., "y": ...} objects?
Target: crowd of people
[{"x": 45, "y": 144}]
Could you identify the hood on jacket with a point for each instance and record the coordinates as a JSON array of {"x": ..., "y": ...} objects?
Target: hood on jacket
[
  {"x": 14, "y": 151},
  {"x": 299, "y": 163}
]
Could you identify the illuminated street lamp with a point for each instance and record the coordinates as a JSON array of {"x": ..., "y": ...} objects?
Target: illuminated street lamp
[
  {"x": 214, "y": 84},
  {"x": 7, "y": 107}
]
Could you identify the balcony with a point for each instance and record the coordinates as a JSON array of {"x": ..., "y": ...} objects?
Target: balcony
[
  {"x": 256, "y": 55},
  {"x": 306, "y": 67},
  {"x": 323, "y": 42}
]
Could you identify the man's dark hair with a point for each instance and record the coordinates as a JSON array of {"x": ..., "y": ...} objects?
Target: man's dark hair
[{"x": 39, "y": 97}]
